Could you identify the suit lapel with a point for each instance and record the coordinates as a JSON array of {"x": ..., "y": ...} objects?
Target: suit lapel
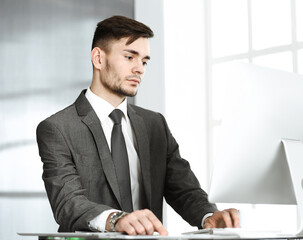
[
  {"x": 139, "y": 128},
  {"x": 91, "y": 120}
]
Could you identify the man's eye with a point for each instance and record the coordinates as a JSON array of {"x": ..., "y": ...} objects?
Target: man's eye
[
  {"x": 129, "y": 57},
  {"x": 144, "y": 63}
]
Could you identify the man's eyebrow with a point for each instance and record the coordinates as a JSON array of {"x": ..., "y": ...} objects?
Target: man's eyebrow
[{"x": 136, "y": 53}]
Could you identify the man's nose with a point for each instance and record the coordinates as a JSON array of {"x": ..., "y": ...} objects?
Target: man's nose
[{"x": 139, "y": 68}]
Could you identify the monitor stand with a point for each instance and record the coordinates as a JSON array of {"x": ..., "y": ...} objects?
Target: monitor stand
[{"x": 294, "y": 156}]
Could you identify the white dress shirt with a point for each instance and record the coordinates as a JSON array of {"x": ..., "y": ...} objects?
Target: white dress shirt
[{"x": 103, "y": 110}]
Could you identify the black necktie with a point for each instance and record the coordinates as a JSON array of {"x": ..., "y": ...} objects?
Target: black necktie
[{"x": 120, "y": 158}]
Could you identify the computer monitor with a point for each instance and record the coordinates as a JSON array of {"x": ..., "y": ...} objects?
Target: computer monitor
[{"x": 260, "y": 153}]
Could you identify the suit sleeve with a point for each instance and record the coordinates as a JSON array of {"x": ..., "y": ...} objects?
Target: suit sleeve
[
  {"x": 71, "y": 208},
  {"x": 182, "y": 188}
]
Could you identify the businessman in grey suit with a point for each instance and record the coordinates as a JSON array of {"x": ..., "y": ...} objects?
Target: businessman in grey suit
[{"x": 108, "y": 164}]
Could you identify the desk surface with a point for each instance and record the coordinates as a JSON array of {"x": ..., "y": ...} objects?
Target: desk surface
[{"x": 117, "y": 236}]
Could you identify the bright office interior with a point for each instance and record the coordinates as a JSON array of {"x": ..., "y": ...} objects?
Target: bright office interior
[
  {"x": 267, "y": 33},
  {"x": 199, "y": 36}
]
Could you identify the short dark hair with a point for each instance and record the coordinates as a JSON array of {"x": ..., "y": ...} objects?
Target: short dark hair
[{"x": 117, "y": 27}]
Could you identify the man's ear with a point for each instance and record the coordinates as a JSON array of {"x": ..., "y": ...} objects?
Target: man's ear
[{"x": 97, "y": 57}]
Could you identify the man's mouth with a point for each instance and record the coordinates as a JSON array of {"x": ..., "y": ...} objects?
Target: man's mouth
[{"x": 136, "y": 80}]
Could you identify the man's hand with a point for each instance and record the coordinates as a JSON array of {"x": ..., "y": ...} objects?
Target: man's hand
[
  {"x": 140, "y": 222},
  {"x": 228, "y": 218}
]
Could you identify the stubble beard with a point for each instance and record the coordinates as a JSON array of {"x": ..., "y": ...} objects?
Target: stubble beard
[{"x": 112, "y": 82}]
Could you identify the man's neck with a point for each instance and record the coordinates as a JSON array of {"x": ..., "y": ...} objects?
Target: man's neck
[{"x": 113, "y": 99}]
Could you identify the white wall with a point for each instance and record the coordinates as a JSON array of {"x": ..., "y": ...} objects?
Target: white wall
[
  {"x": 186, "y": 89},
  {"x": 151, "y": 94}
]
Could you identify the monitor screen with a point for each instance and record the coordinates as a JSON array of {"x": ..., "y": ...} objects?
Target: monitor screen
[{"x": 262, "y": 107}]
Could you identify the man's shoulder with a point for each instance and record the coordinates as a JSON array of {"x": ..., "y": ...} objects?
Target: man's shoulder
[
  {"x": 145, "y": 112},
  {"x": 150, "y": 118}
]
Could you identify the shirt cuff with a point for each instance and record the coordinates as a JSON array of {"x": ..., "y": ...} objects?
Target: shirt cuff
[
  {"x": 99, "y": 222},
  {"x": 205, "y": 216}
]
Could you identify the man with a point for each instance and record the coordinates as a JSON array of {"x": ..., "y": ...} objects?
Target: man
[{"x": 101, "y": 155}]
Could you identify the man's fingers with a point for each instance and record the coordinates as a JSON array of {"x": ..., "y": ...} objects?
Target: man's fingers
[
  {"x": 123, "y": 225},
  {"x": 147, "y": 226},
  {"x": 158, "y": 227},
  {"x": 208, "y": 225},
  {"x": 130, "y": 225},
  {"x": 227, "y": 218},
  {"x": 142, "y": 222},
  {"x": 136, "y": 223},
  {"x": 147, "y": 220},
  {"x": 235, "y": 216}
]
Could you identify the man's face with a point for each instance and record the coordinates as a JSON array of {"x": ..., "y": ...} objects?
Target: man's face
[{"x": 125, "y": 66}]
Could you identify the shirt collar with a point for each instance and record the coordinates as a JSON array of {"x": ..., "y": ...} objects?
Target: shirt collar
[{"x": 102, "y": 107}]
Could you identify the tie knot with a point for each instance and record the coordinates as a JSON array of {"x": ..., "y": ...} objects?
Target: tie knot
[{"x": 116, "y": 116}]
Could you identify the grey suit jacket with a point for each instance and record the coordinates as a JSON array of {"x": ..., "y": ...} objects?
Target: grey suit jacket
[{"x": 79, "y": 174}]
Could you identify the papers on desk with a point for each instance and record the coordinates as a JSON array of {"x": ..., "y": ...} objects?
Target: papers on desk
[{"x": 241, "y": 233}]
